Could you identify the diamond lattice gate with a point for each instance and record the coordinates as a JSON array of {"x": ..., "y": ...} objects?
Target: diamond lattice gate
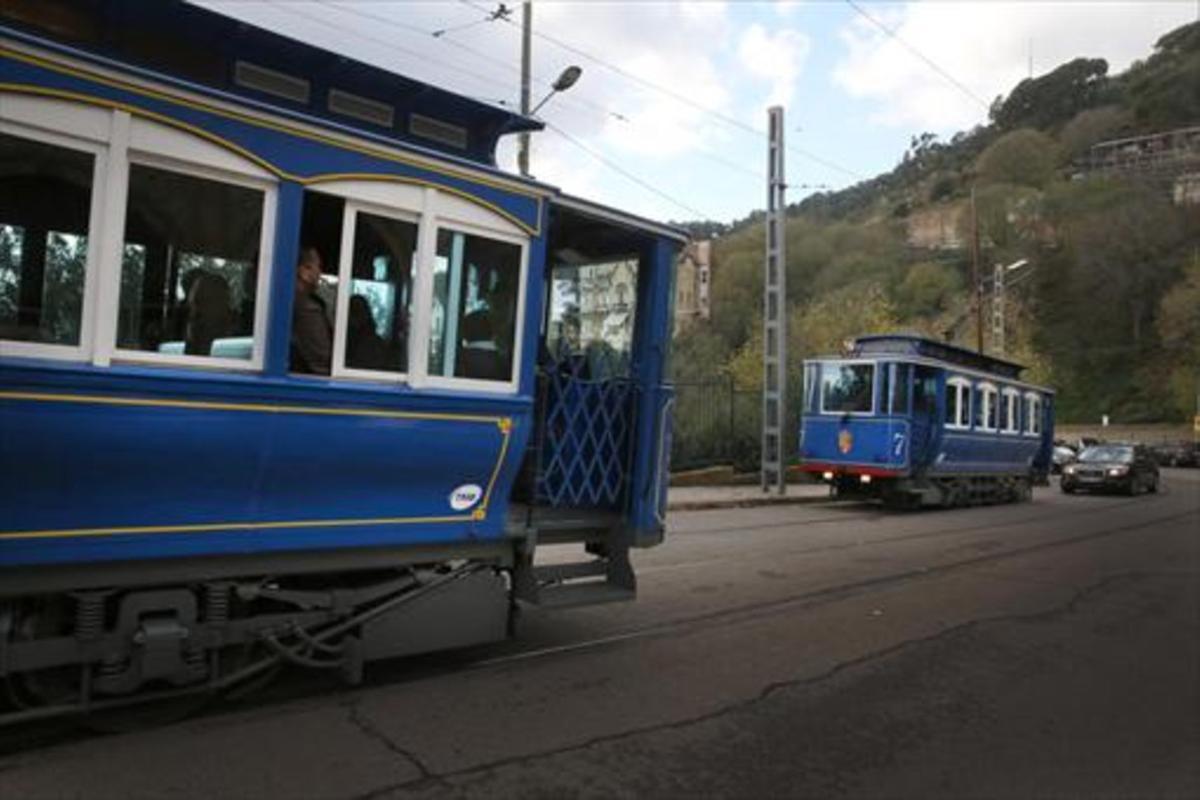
[{"x": 584, "y": 452}]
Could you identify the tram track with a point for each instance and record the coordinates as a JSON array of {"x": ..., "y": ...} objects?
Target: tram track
[{"x": 306, "y": 687}]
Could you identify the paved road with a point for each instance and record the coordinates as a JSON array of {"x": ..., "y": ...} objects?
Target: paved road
[{"x": 1045, "y": 650}]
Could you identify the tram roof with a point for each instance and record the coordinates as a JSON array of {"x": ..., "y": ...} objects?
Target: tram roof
[
  {"x": 207, "y": 48},
  {"x": 913, "y": 345}
]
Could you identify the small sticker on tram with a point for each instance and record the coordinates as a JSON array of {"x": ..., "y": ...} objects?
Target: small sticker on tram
[{"x": 465, "y": 496}]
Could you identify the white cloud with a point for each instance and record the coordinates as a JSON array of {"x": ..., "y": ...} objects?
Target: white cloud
[
  {"x": 777, "y": 58},
  {"x": 986, "y": 47}
]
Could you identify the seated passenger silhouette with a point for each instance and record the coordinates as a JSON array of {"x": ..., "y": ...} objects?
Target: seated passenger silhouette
[
  {"x": 312, "y": 336},
  {"x": 210, "y": 313},
  {"x": 479, "y": 357},
  {"x": 365, "y": 349}
]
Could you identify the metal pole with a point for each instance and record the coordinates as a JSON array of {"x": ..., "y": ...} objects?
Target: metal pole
[
  {"x": 998, "y": 310},
  {"x": 526, "y": 35},
  {"x": 774, "y": 313},
  {"x": 976, "y": 282}
]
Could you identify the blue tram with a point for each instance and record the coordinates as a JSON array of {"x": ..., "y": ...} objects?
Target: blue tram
[
  {"x": 914, "y": 421},
  {"x": 290, "y": 372}
]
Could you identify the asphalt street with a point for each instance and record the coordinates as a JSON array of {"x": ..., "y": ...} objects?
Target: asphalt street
[{"x": 1050, "y": 649}]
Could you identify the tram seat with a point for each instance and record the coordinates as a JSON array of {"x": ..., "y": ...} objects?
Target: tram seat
[
  {"x": 233, "y": 347},
  {"x": 171, "y": 348}
]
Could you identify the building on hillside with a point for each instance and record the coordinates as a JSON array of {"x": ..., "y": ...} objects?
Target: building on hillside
[
  {"x": 693, "y": 279},
  {"x": 937, "y": 228},
  {"x": 606, "y": 295},
  {"x": 1187, "y": 189}
]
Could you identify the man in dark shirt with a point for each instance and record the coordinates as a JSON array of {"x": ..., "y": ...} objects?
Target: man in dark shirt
[{"x": 312, "y": 338}]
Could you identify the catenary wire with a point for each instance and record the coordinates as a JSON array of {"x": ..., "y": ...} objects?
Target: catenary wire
[{"x": 962, "y": 87}]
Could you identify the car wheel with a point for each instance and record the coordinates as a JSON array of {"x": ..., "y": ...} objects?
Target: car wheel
[
  {"x": 1067, "y": 489},
  {"x": 1153, "y": 487}
]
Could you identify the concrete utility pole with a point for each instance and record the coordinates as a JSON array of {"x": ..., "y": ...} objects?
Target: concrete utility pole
[
  {"x": 998, "y": 310},
  {"x": 526, "y": 35},
  {"x": 976, "y": 278},
  {"x": 774, "y": 467}
]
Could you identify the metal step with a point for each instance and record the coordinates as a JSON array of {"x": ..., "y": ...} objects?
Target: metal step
[
  {"x": 568, "y": 595},
  {"x": 557, "y": 573}
]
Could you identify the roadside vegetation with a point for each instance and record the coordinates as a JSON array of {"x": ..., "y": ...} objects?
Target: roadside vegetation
[{"x": 1108, "y": 310}]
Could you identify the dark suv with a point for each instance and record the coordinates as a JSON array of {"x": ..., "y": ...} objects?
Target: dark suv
[{"x": 1125, "y": 467}]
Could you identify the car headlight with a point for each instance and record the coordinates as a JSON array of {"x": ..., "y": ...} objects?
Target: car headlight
[
  {"x": 1116, "y": 472},
  {"x": 1069, "y": 469}
]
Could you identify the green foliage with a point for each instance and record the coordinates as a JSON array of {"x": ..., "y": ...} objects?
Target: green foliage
[
  {"x": 1164, "y": 90},
  {"x": 928, "y": 289},
  {"x": 1025, "y": 157},
  {"x": 1053, "y": 98},
  {"x": 1178, "y": 327},
  {"x": 1093, "y": 126}
]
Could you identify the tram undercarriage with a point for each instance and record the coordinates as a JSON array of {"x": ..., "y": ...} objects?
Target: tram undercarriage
[{"x": 937, "y": 492}]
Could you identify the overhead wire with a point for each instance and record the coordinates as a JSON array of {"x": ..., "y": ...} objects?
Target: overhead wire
[
  {"x": 626, "y": 174},
  {"x": 962, "y": 87},
  {"x": 577, "y": 102},
  {"x": 681, "y": 98}
]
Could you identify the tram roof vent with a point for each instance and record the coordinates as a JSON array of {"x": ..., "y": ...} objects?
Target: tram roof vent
[
  {"x": 362, "y": 108},
  {"x": 437, "y": 131},
  {"x": 270, "y": 81}
]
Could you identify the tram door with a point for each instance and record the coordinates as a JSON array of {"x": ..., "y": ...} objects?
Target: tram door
[
  {"x": 924, "y": 414},
  {"x": 599, "y": 366}
]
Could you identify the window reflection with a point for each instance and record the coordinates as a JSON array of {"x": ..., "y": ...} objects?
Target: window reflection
[
  {"x": 474, "y": 312},
  {"x": 45, "y": 204},
  {"x": 190, "y": 265},
  {"x": 381, "y": 294}
]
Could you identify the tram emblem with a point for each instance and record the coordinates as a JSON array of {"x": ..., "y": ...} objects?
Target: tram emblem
[
  {"x": 465, "y": 496},
  {"x": 845, "y": 441}
]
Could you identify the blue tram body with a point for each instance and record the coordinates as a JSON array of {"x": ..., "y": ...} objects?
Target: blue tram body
[
  {"x": 916, "y": 421},
  {"x": 155, "y": 154}
]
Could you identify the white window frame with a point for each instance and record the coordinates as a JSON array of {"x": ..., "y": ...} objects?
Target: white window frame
[
  {"x": 962, "y": 388},
  {"x": 989, "y": 399},
  {"x": 116, "y": 139},
  {"x": 100, "y": 168},
  {"x": 341, "y": 316},
  {"x": 107, "y": 350},
  {"x": 474, "y": 384},
  {"x": 849, "y": 362},
  {"x": 1012, "y": 411},
  {"x": 1033, "y": 414},
  {"x": 431, "y": 209}
]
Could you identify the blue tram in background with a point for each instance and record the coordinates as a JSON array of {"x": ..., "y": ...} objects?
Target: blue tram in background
[
  {"x": 914, "y": 421},
  {"x": 186, "y": 501}
]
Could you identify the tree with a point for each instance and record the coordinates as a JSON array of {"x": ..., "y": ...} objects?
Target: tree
[
  {"x": 1054, "y": 98},
  {"x": 1023, "y": 157},
  {"x": 928, "y": 289},
  {"x": 1093, "y": 126},
  {"x": 1178, "y": 327}
]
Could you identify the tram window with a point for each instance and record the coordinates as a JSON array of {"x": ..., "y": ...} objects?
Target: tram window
[
  {"x": 847, "y": 388},
  {"x": 1011, "y": 404},
  {"x": 925, "y": 391},
  {"x": 811, "y": 384},
  {"x": 885, "y": 386},
  {"x": 958, "y": 403},
  {"x": 1033, "y": 414},
  {"x": 989, "y": 408},
  {"x": 591, "y": 310},
  {"x": 380, "y": 293},
  {"x": 900, "y": 388},
  {"x": 474, "y": 313},
  {"x": 189, "y": 270},
  {"x": 45, "y": 202}
]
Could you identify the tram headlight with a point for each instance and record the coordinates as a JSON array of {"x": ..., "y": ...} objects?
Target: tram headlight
[
  {"x": 827, "y": 476},
  {"x": 864, "y": 478}
]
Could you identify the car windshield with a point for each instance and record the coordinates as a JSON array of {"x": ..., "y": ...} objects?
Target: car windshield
[{"x": 1107, "y": 453}]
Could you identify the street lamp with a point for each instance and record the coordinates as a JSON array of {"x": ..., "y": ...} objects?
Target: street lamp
[
  {"x": 998, "y": 303},
  {"x": 565, "y": 80}
]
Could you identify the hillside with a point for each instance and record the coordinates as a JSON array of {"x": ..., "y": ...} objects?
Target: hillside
[{"x": 1108, "y": 312}]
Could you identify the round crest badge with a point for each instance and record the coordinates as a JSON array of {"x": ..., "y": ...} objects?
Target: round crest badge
[{"x": 845, "y": 441}]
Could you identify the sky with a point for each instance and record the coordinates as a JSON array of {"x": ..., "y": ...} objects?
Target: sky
[{"x": 668, "y": 118}]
